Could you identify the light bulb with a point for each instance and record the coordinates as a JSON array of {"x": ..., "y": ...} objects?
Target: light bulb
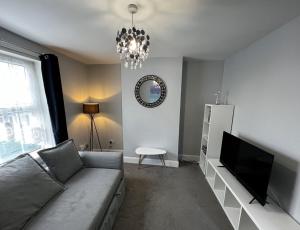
[{"x": 132, "y": 45}]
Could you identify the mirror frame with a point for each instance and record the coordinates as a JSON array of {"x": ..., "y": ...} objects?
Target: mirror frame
[{"x": 163, "y": 93}]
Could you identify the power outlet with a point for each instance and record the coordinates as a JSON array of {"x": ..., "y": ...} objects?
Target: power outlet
[
  {"x": 110, "y": 143},
  {"x": 83, "y": 147}
]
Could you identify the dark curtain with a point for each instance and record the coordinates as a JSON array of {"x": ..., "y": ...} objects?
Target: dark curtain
[{"x": 54, "y": 94}]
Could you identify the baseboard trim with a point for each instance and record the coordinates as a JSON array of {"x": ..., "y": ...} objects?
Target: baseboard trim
[
  {"x": 150, "y": 161},
  {"x": 194, "y": 158},
  {"x": 108, "y": 150}
]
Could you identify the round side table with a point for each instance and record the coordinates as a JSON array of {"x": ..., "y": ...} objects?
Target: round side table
[{"x": 142, "y": 152}]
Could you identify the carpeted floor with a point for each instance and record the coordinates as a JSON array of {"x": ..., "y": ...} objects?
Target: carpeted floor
[{"x": 169, "y": 199}]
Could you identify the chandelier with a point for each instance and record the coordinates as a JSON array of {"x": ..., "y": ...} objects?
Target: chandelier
[{"x": 132, "y": 43}]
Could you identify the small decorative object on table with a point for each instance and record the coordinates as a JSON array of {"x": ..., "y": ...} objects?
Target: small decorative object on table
[{"x": 218, "y": 97}]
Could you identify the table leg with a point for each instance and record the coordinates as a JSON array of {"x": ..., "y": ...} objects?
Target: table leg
[
  {"x": 140, "y": 159},
  {"x": 161, "y": 156}
]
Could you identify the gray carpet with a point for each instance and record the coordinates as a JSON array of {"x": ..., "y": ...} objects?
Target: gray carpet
[{"x": 169, "y": 199}]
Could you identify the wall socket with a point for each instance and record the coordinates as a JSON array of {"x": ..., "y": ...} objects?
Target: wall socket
[
  {"x": 110, "y": 143},
  {"x": 83, "y": 147}
]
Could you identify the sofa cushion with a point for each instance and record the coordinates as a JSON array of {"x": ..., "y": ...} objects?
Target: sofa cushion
[
  {"x": 82, "y": 205},
  {"x": 62, "y": 160},
  {"x": 24, "y": 189}
]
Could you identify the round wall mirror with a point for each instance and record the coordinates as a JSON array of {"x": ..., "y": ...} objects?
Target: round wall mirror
[{"x": 150, "y": 91}]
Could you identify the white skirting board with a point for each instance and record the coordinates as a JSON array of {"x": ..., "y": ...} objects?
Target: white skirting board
[
  {"x": 151, "y": 161},
  {"x": 191, "y": 157},
  {"x": 109, "y": 150},
  {"x": 146, "y": 161}
]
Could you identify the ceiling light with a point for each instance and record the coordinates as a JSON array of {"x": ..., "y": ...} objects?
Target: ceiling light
[{"x": 133, "y": 44}]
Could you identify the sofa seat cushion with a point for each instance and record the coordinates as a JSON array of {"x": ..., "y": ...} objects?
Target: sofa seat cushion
[{"x": 82, "y": 205}]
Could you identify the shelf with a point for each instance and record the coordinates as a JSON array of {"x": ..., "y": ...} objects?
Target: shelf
[
  {"x": 246, "y": 223},
  {"x": 204, "y": 137},
  {"x": 245, "y": 216},
  {"x": 202, "y": 162},
  {"x": 210, "y": 172},
  {"x": 207, "y": 114},
  {"x": 219, "y": 184},
  {"x": 206, "y": 122},
  {"x": 205, "y": 129},
  {"x": 216, "y": 119},
  {"x": 233, "y": 215},
  {"x": 220, "y": 196},
  {"x": 230, "y": 200},
  {"x": 202, "y": 167},
  {"x": 201, "y": 152},
  {"x": 210, "y": 181}
]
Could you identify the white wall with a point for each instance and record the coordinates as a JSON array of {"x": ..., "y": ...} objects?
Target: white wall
[
  {"x": 73, "y": 77},
  {"x": 263, "y": 83},
  {"x": 104, "y": 86},
  {"x": 152, "y": 127},
  {"x": 200, "y": 81}
]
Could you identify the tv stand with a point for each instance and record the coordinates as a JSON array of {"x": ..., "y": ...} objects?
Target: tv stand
[{"x": 234, "y": 199}]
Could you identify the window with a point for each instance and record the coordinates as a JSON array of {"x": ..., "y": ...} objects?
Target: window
[{"x": 24, "y": 117}]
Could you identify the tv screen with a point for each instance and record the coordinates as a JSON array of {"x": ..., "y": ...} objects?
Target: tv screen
[
  {"x": 249, "y": 164},
  {"x": 253, "y": 170},
  {"x": 229, "y": 150}
]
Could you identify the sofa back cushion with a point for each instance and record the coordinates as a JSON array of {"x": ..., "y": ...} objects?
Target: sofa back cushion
[
  {"x": 63, "y": 160},
  {"x": 24, "y": 189}
]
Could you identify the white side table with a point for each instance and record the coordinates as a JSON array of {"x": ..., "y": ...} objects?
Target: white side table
[{"x": 142, "y": 152}]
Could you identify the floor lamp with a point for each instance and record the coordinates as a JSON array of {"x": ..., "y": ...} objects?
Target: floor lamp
[{"x": 91, "y": 109}]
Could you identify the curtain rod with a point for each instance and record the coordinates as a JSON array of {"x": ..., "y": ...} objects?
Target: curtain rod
[{"x": 18, "y": 49}]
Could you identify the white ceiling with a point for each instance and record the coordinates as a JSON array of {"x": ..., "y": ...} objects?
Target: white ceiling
[{"x": 204, "y": 29}]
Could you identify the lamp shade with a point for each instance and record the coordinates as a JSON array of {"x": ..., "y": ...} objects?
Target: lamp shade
[{"x": 90, "y": 108}]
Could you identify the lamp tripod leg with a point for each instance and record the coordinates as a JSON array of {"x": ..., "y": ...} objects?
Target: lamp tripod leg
[
  {"x": 99, "y": 142},
  {"x": 91, "y": 133}
]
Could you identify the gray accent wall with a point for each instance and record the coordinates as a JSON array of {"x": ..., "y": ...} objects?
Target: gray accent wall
[
  {"x": 263, "y": 83},
  {"x": 152, "y": 127},
  {"x": 200, "y": 81},
  {"x": 104, "y": 86}
]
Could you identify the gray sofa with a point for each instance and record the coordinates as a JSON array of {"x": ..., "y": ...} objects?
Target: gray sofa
[{"x": 89, "y": 200}]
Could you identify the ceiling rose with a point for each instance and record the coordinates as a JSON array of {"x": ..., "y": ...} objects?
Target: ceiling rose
[{"x": 132, "y": 43}]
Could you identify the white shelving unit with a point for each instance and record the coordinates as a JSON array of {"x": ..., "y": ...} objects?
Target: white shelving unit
[
  {"x": 234, "y": 199},
  {"x": 217, "y": 118}
]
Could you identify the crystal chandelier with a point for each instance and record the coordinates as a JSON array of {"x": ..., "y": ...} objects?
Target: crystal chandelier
[{"x": 133, "y": 44}]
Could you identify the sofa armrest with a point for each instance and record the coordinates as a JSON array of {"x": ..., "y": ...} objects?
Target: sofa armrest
[{"x": 110, "y": 160}]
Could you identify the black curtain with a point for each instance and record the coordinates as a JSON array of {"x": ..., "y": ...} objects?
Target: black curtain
[{"x": 54, "y": 94}]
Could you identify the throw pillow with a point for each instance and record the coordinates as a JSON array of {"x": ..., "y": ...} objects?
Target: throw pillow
[
  {"x": 24, "y": 189},
  {"x": 63, "y": 160}
]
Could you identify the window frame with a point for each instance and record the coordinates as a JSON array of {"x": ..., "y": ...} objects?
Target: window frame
[{"x": 38, "y": 106}]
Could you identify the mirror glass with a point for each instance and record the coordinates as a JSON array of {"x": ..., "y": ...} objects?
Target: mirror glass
[{"x": 150, "y": 91}]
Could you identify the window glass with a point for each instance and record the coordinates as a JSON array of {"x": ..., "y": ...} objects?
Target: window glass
[{"x": 24, "y": 117}]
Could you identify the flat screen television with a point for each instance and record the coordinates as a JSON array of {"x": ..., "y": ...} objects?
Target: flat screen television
[
  {"x": 249, "y": 164},
  {"x": 229, "y": 150}
]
